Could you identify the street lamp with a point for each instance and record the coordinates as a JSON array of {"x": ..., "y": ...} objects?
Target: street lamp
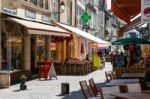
[{"x": 61, "y": 8}]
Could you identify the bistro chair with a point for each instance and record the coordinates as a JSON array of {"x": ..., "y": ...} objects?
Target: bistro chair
[
  {"x": 66, "y": 67},
  {"x": 95, "y": 90},
  {"x": 134, "y": 87},
  {"x": 80, "y": 68},
  {"x": 139, "y": 64},
  {"x": 110, "y": 75},
  {"x": 85, "y": 89}
]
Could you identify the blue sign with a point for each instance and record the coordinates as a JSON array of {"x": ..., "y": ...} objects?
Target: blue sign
[{"x": 133, "y": 34}]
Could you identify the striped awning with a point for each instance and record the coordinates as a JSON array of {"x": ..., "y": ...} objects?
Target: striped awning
[{"x": 41, "y": 29}]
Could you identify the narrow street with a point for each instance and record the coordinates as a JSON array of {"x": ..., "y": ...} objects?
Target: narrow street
[
  {"x": 68, "y": 37},
  {"x": 51, "y": 89}
]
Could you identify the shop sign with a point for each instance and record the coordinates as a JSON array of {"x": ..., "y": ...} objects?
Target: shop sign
[
  {"x": 9, "y": 11},
  {"x": 11, "y": 3},
  {"x": 85, "y": 17},
  {"x": 30, "y": 14},
  {"x": 45, "y": 18},
  {"x": 53, "y": 46},
  {"x": 93, "y": 45},
  {"x": 145, "y": 11}
]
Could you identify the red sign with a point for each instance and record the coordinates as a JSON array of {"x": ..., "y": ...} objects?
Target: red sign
[
  {"x": 95, "y": 45},
  {"x": 53, "y": 46},
  {"x": 44, "y": 70}
]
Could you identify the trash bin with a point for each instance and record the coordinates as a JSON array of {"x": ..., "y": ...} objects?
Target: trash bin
[{"x": 64, "y": 88}]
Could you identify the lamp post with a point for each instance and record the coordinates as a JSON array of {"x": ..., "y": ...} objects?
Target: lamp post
[{"x": 61, "y": 8}]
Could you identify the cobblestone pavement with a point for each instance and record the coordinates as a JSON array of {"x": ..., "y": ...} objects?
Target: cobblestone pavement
[{"x": 51, "y": 89}]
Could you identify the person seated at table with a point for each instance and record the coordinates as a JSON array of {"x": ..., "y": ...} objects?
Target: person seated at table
[
  {"x": 147, "y": 61},
  {"x": 140, "y": 63}
]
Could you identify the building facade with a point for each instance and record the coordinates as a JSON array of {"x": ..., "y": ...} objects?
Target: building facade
[
  {"x": 27, "y": 32},
  {"x": 26, "y": 35}
]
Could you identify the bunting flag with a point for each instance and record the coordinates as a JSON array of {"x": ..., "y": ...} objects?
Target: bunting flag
[{"x": 82, "y": 48}]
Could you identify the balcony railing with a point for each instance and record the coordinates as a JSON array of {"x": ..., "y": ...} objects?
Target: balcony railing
[{"x": 39, "y": 4}]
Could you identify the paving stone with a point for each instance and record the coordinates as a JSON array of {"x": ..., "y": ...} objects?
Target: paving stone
[{"x": 51, "y": 89}]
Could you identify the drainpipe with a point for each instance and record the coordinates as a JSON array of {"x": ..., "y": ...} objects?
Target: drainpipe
[
  {"x": 75, "y": 18},
  {"x": 58, "y": 10}
]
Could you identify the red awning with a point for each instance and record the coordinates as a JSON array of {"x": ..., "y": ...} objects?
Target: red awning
[{"x": 126, "y": 9}]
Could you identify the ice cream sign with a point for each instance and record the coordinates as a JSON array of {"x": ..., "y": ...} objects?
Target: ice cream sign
[{"x": 145, "y": 11}]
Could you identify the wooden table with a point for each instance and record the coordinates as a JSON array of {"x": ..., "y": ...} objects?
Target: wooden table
[
  {"x": 122, "y": 83},
  {"x": 136, "y": 95},
  {"x": 133, "y": 75},
  {"x": 118, "y": 82}
]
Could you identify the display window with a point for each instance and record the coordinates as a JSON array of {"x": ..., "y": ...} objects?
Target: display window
[
  {"x": 40, "y": 45},
  {"x": 11, "y": 52}
]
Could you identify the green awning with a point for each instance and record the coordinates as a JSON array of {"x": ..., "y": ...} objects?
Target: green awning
[{"x": 131, "y": 40}]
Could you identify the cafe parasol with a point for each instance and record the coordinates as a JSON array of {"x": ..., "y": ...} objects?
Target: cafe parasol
[{"x": 131, "y": 40}]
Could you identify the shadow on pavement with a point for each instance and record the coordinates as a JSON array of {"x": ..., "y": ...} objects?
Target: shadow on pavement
[
  {"x": 100, "y": 85},
  {"x": 72, "y": 95},
  {"x": 78, "y": 94}
]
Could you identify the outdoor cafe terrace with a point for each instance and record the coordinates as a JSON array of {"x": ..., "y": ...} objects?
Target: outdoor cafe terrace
[{"x": 74, "y": 67}]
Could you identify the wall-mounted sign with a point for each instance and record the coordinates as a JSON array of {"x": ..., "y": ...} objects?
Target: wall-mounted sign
[
  {"x": 9, "y": 11},
  {"x": 30, "y": 14},
  {"x": 11, "y": 3},
  {"x": 145, "y": 11},
  {"x": 45, "y": 18},
  {"x": 53, "y": 46},
  {"x": 86, "y": 17}
]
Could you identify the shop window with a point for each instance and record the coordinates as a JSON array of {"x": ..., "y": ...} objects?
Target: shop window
[
  {"x": 11, "y": 48},
  {"x": 41, "y": 50},
  {"x": 54, "y": 55}
]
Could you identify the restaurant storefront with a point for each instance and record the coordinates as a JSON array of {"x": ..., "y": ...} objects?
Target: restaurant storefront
[
  {"x": 81, "y": 38},
  {"x": 23, "y": 45}
]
